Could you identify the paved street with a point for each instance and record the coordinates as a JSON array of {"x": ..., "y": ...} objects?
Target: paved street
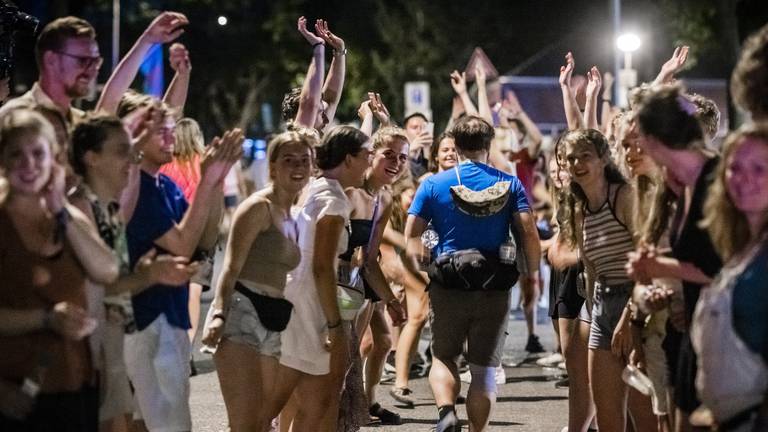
[{"x": 528, "y": 401}]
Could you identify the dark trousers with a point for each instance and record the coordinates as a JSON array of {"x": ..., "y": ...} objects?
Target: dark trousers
[{"x": 65, "y": 412}]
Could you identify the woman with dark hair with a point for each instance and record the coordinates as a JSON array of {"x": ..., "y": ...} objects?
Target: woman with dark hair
[
  {"x": 314, "y": 354},
  {"x": 597, "y": 219},
  {"x": 672, "y": 136},
  {"x": 442, "y": 155},
  {"x": 249, "y": 311},
  {"x": 728, "y": 331},
  {"x": 103, "y": 156}
]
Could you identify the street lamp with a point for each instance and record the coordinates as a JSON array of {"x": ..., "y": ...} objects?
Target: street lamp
[
  {"x": 627, "y": 43},
  {"x": 222, "y": 20}
]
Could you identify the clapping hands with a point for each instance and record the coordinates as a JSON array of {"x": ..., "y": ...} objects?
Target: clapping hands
[
  {"x": 321, "y": 28},
  {"x": 221, "y": 155},
  {"x": 312, "y": 38},
  {"x": 566, "y": 72}
]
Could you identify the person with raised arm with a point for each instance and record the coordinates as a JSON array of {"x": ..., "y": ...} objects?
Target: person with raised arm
[
  {"x": 420, "y": 138},
  {"x": 102, "y": 153},
  {"x": 594, "y": 81},
  {"x": 314, "y": 104},
  {"x": 473, "y": 268},
  {"x": 163, "y": 220},
  {"x": 672, "y": 66},
  {"x": 176, "y": 94}
]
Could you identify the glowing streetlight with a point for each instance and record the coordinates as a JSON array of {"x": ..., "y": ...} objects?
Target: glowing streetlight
[
  {"x": 222, "y": 20},
  {"x": 627, "y": 43}
]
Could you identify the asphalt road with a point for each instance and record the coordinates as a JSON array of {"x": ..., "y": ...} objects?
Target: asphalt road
[{"x": 527, "y": 402}]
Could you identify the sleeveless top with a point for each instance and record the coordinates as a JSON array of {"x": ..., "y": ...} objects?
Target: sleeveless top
[
  {"x": 271, "y": 258},
  {"x": 607, "y": 242},
  {"x": 32, "y": 281}
]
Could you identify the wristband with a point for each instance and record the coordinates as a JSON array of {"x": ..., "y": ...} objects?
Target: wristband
[
  {"x": 340, "y": 53},
  {"x": 315, "y": 45},
  {"x": 334, "y": 325}
]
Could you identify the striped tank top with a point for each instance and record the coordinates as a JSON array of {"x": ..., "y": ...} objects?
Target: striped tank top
[{"x": 607, "y": 242}]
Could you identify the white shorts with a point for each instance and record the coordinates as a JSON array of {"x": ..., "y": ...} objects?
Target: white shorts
[
  {"x": 115, "y": 398},
  {"x": 157, "y": 359}
]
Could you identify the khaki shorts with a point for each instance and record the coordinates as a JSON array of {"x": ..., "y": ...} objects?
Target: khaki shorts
[{"x": 478, "y": 317}]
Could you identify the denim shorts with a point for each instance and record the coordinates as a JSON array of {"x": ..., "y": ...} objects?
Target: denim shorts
[
  {"x": 609, "y": 303},
  {"x": 243, "y": 326}
]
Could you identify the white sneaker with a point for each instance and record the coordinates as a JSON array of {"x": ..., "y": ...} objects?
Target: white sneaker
[
  {"x": 565, "y": 429},
  {"x": 550, "y": 360},
  {"x": 466, "y": 377},
  {"x": 501, "y": 375},
  {"x": 561, "y": 365}
]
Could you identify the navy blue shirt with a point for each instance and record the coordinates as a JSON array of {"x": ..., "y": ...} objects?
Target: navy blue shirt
[
  {"x": 457, "y": 230},
  {"x": 160, "y": 206}
]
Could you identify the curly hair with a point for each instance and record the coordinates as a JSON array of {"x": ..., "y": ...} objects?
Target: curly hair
[
  {"x": 90, "y": 135},
  {"x": 290, "y": 106},
  {"x": 707, "y": 113},
  {"x": 575, "y": 201},
  {"x": 727, "y": 226},
  {"x": 749, "y": 80}
]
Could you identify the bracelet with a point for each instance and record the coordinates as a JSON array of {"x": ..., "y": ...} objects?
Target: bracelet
[
  {"x": 315, "y": 45},
  {"x": 340, "y": 53},
  {"x": 219, "y": 315},
  {"x": 334, "y": 325}
]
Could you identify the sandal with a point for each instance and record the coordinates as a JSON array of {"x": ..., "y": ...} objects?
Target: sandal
[
  {"x": 403, "y": 395},
  {"x": 386, "y": 417}
]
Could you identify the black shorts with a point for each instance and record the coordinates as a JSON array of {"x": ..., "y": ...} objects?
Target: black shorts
[
  {"x": 565, "y": 302},
  {"x": 685, "y": 381}
]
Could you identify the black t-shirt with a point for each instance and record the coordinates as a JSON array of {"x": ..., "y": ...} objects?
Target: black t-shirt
[{"x": 691, "y": 243}]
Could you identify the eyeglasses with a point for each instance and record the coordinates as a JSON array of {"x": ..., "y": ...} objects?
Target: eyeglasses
[{"x": 84, "y": 62}]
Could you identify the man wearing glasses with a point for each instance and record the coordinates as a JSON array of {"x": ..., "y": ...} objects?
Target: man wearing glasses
[{"x": 68, "y": 60}]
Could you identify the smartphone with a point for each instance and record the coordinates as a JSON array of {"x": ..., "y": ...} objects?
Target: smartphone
[{"x": 430, "y": 127}]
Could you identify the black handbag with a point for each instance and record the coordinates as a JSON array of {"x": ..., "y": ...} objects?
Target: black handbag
[{"x": 274, "y": 313}]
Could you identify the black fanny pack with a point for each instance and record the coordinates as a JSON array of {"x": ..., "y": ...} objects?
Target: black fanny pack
[
  {"x": 274, "y": 313},
  {"x": 473, "y": 270}
]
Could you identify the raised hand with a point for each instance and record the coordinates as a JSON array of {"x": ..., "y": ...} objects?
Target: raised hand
[
  {"x": 673, "y": 65},
  {"x": 594, "y": 82},
  {"x": 178, "y": 57},
  {"x": 321, "y": 28},
  {"x": 459, "y": 82},
  {"x": 480, "y": 76},
  {"x": 220, "y": 155},
  {"x": 308, "y": 35},
  {"x": 365, "y": 109},
  {"x": 607, "y": 83},
  {"x": 166, "y": 27},
  {"x": 378, "y": 108},
  {"x": 567, "y": 71},
  {"x": 511, "y": 104}
]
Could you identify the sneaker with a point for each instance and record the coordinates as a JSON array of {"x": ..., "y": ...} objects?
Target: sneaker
[
  {"x": 385, "y": 416},
  {"x": 550, "y": 360},
  {"x": 403, "y": 395},
  {"x": 501, "y": 375},
  {"x": 449, "y": 423},
  {"x": 466, "y": 377},
  {"x": 561, "y": 365},
  {"x": 534, "y": 346}
]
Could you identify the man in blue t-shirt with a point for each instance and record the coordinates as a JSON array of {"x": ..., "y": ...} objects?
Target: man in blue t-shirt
[
  {"x": 471, "y": 225},
  {"x": 157, "y": 354}
]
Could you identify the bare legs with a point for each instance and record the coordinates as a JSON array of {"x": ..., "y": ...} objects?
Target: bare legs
[
  {"x": 195, "y": 292},
  {"x": 382, "y": 343},
  {"x": 574, "y": 336},
  {"x": 417, "y": 305}
]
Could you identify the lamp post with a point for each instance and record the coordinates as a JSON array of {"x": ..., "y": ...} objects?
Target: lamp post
[{"x": 627, "y": 43}]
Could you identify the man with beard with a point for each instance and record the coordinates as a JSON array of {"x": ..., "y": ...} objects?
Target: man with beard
[{"x": 68, "y": 59}]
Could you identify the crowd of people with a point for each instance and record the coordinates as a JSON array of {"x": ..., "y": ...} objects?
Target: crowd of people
[{"x": 651, "y": 229}]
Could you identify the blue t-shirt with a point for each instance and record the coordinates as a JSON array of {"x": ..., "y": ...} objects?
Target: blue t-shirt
[
  {"x": 750, "y": 305},
  {"x": 457, "y": 230},
  {"x": 161, "y": 204}
]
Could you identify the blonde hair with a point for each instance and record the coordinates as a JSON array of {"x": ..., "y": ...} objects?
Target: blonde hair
[
  {"x": 727, "y": 226},
  {"x": 22, "y": 122},
  {"x": 189, "y": 140},
  {"x": 286, "y": 138},
  {"x": 387, "y": 134}
]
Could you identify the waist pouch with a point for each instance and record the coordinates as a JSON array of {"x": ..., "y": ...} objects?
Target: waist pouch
[
  {"x": 274, "y": 313},
  {"x": 473, "y": 270}
]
